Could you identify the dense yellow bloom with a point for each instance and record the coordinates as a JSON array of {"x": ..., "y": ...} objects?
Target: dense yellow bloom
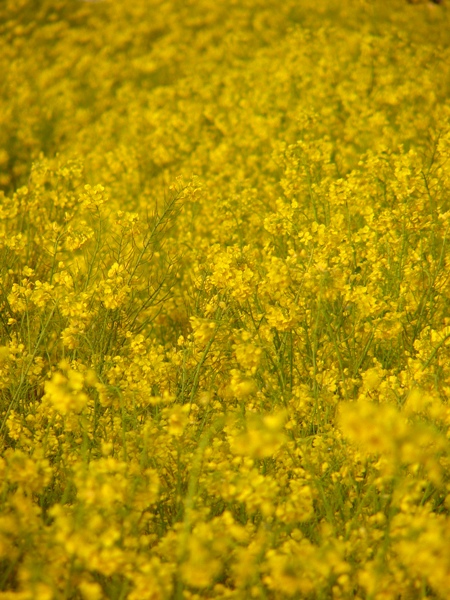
[
  {"x": 65, "y": 392},
  {"x": 224, "y": 300}
]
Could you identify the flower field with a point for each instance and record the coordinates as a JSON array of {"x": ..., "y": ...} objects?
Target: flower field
[{"x": 224, "y": 300}]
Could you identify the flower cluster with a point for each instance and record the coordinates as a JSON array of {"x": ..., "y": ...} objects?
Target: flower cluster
[{"x": 224, "y": 300}]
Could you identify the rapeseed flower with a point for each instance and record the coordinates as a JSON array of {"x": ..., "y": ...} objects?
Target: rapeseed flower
[{"x": 224, "y": 300}]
